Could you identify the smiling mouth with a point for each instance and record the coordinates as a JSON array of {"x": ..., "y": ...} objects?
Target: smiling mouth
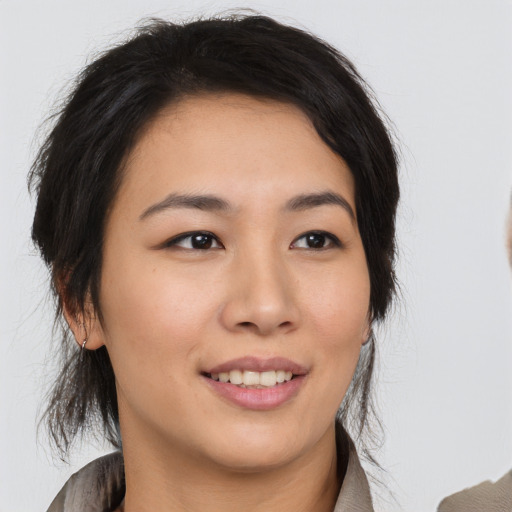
[{"x": 251, "y": 379}]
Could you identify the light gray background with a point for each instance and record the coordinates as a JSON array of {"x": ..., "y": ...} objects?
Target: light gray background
[{"x": 442, "y": 70}]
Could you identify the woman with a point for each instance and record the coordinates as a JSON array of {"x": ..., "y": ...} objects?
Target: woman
[{"x": 216, "y": 204}]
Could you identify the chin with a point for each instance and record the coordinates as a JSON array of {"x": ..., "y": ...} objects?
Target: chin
[
  {"x": 255, "y": 452},
  {"x": 255, "y": 461}
]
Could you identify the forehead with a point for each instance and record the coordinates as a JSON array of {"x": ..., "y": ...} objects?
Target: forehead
[{"x": 238, "y": 145}]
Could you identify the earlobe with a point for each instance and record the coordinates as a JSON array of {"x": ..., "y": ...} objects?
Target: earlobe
[
  {"x": 85, "y": 328},
  {"x": 84, "y": 325}
]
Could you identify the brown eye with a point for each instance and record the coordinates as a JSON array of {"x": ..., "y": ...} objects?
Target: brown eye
[
  {"x": 197, "y": 240},
  {"x": 316, "y": 240},
  {"x": 201, "y": 241}
]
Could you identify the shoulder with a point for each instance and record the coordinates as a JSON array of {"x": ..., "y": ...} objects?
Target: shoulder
[
  {"x": 485, "y": 497},
  {"x": 98, "y": 486}
]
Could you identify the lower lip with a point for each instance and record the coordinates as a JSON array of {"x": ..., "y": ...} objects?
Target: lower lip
[{"x": 257, "y": 399}]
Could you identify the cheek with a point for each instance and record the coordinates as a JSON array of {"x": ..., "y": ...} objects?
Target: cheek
[
  {"x": 154, "y": 321},
  {"x": 339, "y": 318},
  {"x": 153, "y": 315},
  {"x": 339, "y": 306}
]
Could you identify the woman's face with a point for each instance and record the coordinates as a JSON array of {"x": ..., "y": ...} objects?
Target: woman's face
[{"x": 232, "y": 251}]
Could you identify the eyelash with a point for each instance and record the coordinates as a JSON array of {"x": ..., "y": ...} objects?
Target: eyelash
[
  {"x": 211, "y": 238},
  {"x": 334, "y": 240},
  {"x": 184, "y": 236}
]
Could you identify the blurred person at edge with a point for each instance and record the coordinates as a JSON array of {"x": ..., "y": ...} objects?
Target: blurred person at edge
[{"x": 486, "y": 496}]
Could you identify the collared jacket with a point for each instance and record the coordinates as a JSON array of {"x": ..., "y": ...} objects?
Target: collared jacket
[
  {"x": 485, "y": 497},
  {"x": 99, "y": 487}
]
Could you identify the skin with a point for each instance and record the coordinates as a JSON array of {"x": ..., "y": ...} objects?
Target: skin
[{"x": 170, "y": 310}]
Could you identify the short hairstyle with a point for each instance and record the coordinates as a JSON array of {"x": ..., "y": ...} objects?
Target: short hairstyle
[{"x": 79, "y": 167}]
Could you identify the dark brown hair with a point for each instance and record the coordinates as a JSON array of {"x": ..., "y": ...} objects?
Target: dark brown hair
[{"x": 79, "y": 167}]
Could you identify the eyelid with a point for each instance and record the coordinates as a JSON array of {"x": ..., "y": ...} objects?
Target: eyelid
[
  {"x": 335, "y": 241},
  {"x": 175, "y": 240}
]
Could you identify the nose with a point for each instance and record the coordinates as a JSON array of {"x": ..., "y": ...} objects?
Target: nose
[{"x": 262, "y": 296}]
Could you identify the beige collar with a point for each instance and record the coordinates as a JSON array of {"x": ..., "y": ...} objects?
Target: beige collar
[{"x": 355, "y": 494}]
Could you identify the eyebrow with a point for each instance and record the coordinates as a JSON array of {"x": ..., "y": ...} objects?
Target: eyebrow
[
  {"x": 216, "y": 204},
  {"x": 307, "y": 201},
  {"x": 199, "y": 202}
]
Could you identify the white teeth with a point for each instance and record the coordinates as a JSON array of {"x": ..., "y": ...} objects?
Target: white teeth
[
  {"x": 252, "y": 379},
  {"x": 236, "y": 377},
  {"x": 268, "y": 378}
]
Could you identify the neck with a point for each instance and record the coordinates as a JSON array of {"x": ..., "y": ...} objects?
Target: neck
[{"x": 159, "y": 477}]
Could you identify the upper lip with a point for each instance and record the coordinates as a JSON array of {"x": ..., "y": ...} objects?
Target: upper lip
[{"x": 256, "y": 364}]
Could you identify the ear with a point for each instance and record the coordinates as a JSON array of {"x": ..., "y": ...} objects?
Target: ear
[
  {"x": 85, "y": 325},
  {"x": 86, "y": 329}
]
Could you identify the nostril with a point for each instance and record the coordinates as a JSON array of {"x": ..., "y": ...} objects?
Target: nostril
[{"x": 252, "y": 326}]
